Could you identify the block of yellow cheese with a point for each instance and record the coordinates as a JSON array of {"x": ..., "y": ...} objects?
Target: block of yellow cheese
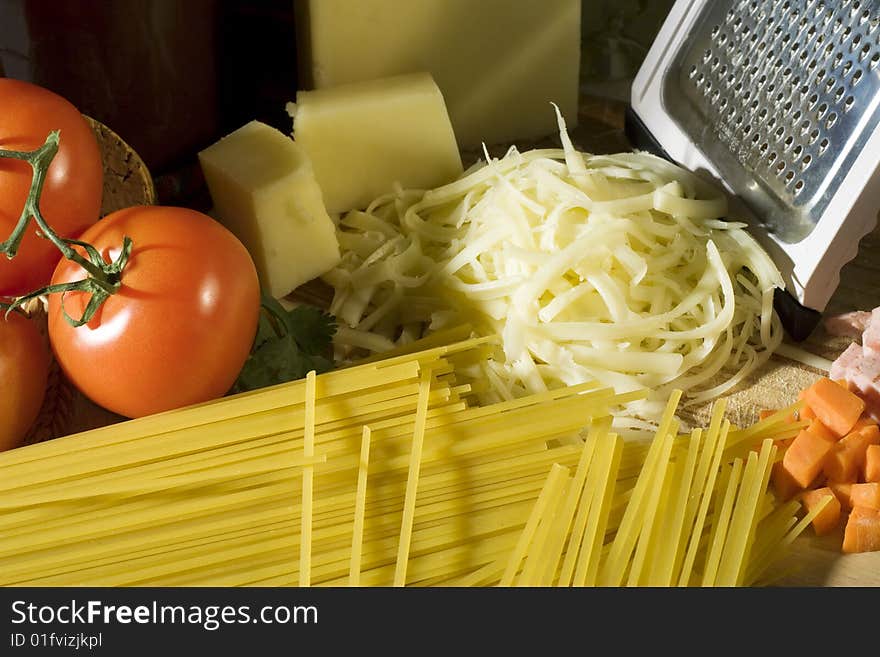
[
  {"x": 364, "y": 137},
  {"x": 264, "y": 190},
  {"x": 498, "y": 63}
]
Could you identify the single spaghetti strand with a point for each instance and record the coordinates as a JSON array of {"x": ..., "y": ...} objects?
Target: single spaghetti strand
[
  {"x": 305, "y": 549},
  {"x": 412, "y": 482},
  {"x": 357, "y": 540}
]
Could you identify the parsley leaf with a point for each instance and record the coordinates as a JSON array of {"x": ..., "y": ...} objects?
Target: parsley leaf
[{"x": 288, "y": 345}]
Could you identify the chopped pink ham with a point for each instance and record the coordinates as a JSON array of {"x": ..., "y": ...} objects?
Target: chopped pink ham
[
  {"x": 845, "y": 364},
  {"x": 871, "y": 334},
  {"x": 861, "y": 370},
  {"x": 850, "y": 325},
  {"x": 859, "y": 364}
]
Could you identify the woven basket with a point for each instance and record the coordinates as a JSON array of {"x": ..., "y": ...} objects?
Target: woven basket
[{"x": 127, "y": 182}]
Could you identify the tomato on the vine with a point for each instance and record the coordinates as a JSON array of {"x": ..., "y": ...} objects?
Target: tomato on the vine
[
  {"x": 181, "y": 324},
  {"x": 24, "y": 372},
  {"x": 71, "y": 197}
]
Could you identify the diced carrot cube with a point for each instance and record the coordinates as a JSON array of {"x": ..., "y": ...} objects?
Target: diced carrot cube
[
  {"x": 871, "y": 433},
  {"x": 822, "y": 431},
  {"x": 828, "y": 518},
  {"x": 841, "y": 465},
  {"x": 862, "y": 531},
  {"x": 842, "y": 491},
  {"x": 864, "y": 421},
  {"x": 805, "y": 457},
  {"x": 865, "y": 495},
  {"x": 847, "y": 457},
  {"x": 806, "y": 413},
  {"x": 872, "y": 463},
  {"x": 783, "y": 483},
  {"x": 836, "y": 407}
]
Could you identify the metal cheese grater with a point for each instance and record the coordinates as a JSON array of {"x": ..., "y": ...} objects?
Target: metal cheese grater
[{"x": 779, "y": 101}]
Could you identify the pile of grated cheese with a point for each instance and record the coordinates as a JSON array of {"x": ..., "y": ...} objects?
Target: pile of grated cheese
[{"x": 616, "y": 268}]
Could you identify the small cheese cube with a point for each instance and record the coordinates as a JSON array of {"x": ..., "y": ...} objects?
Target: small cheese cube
[
  {"x": 364, "y": 137},
  {"x": 499, "y": 63},
  {"x": 264, "y": 191}
]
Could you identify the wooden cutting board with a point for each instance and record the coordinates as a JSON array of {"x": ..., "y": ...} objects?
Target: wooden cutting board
[{"x": 814, "y": 562}]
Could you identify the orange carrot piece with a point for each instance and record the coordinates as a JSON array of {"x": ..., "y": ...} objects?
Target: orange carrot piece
[
  {"x": 862, "y": 531},
  {"x": 864, "y": 421},
  {"x": 847, "y": 457},
  {"x": 871, "y": 433},
  {"x": 827, "y": 520},
  {"x": 818, "y": 428},
  {"x": 806, "y": 413},
  {"x": 843, "y": 492},
  {"x": 783, "y": 483},
  {"x": 836, "y": 407},
  {"x": 865, "y": 495},
  {"x": 872, "y": 463},
  {"x": 805, "y": 457},
  {"x": 841, "y": 465}
]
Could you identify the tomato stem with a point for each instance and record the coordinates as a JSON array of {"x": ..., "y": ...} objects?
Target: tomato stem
[
  {"x": 103, "y": 279},
  {"x": 40, "y": 159}
]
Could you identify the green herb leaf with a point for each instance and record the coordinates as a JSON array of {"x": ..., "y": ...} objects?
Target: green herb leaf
[
  {"x": 312, "y": 329},
  {"x": 288, "y": 345}
]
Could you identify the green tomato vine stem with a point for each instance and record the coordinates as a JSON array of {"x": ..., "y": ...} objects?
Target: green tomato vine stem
[{"x": 103, "y": 279}]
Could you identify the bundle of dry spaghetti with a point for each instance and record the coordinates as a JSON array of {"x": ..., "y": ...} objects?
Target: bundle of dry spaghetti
[
  {"x": 387, "y": 473},
  {"x": 697, "y": 512}
]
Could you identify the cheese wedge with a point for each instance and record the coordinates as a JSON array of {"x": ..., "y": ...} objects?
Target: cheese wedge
[
  {"x": 264, "y": 190},
  {"x": 365, "y": 137},
  {"x": 498, "y": 63}
]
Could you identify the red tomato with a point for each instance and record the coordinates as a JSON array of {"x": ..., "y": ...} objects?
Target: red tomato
[
  {"x": 71, "y": 197},
  {"x": 24, "y": 371},
  {"x": 182, "y": 323}
]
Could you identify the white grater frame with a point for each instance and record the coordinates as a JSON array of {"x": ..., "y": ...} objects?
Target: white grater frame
[{"x": 810, "y": 268}]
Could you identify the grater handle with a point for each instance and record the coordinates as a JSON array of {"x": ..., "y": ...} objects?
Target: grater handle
[
  {"x": 640, "y": 137},
  {"x": 797, "y": 320}
]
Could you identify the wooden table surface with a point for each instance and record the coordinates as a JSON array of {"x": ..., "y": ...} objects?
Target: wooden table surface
[{"x": 813, "y": 562}]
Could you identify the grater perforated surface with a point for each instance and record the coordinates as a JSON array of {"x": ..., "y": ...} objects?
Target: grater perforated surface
[{"x": 781, "y": 95}]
